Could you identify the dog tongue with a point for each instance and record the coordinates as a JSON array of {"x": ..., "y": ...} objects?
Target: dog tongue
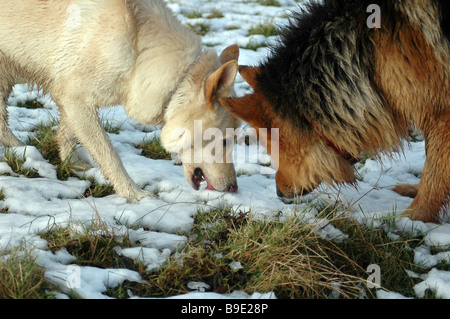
[{"x": 209, "y": 186}]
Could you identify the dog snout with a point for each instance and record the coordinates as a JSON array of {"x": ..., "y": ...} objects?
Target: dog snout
[
  {"x": 198, "y": 172},
  {"x": 304, "y": 192},
  {"x": 233, "y": 188},
  {"x": 279, "y": 193}
]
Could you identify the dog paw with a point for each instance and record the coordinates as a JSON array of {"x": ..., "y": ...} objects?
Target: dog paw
[
  {"x": 138, "y": 195},
  {"x": 406, "y": 190},
  {"x": 424, "y": 215}
]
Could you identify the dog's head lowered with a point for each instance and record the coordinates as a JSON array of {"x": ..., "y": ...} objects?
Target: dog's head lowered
[
  {"x": 196, "y": 124},
  {"x": 304, "y": 159}
]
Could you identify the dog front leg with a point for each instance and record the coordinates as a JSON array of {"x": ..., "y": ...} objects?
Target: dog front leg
[
  {"x": 67, "y": 145},
  {"x": 86, "y": 127},
  {"x": 7, "y": 138},
  {"x": 434, "y": 188}
]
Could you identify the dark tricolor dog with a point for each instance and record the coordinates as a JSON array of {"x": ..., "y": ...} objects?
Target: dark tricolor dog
[{"x": 337, "y": 85}]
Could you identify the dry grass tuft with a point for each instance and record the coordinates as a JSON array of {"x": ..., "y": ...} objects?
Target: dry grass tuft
[
  {"x": 21, "y": 277},
  {"x": 291, "y": 260}
]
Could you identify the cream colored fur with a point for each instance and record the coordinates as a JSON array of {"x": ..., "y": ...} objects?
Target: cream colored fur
[{"x": 94, "y": 53}]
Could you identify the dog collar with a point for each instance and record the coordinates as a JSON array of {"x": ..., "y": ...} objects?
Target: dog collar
[{"x": 341, "y": 152}]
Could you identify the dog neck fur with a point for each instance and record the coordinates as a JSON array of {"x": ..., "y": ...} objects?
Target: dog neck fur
[
  {"x": 159, "y": 68},
  {"x": 371, "y": 125}
]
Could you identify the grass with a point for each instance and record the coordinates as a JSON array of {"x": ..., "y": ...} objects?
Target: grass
[
  {"x": 197, "y": 261},
  {"x": 267, "y": 29},
  {"x": 193, "y": 14},
  {"x": 215, "y": 14},
  {"x": 272, "y": 3},
  {"x": 201, "y": 28},
  {"x": 254, "y": 44},
  {"x": 286, "y": 257},
  {"x": 44, "y": 140},
  {"x": 369, "y": 246},
  {"x": 154, "y": 150},
  {"x": 111, "y": 126},
  {"x": 30, "y": 104},
  {"x": 91, "y": 245},
  {"x": 98, "y": 190},
  {"x": 21, "y": 277},
  {"x": 16, "y": 163}
]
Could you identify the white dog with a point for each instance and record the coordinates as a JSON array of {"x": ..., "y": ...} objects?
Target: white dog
[{"x": 94, "y": 53}]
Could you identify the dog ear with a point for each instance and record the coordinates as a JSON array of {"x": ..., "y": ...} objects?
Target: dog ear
[
  {"x": 250, "y": 75},
  {"x": 229, "y": 54},
  {"x": 250, "y": 109},
  {"x": 220, "y": 83}
]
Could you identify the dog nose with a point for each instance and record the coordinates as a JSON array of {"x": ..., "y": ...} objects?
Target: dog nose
[
  {"x": 302, "y": 193},
  {"x": 233, "y": 188},
  {"x": 279, "y": 193},
  {"x": 198, "y": 172}
]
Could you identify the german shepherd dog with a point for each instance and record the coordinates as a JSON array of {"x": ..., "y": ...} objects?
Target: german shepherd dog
[
  {"x": 336, "y": 85},
  {"x": 136, "y": 53}
]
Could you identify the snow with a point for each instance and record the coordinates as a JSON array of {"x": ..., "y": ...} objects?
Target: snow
[
  {"x": 152, "y": 258},
  {"x": 437, "y": 281},
  {"x": 154, "y": 224}
]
